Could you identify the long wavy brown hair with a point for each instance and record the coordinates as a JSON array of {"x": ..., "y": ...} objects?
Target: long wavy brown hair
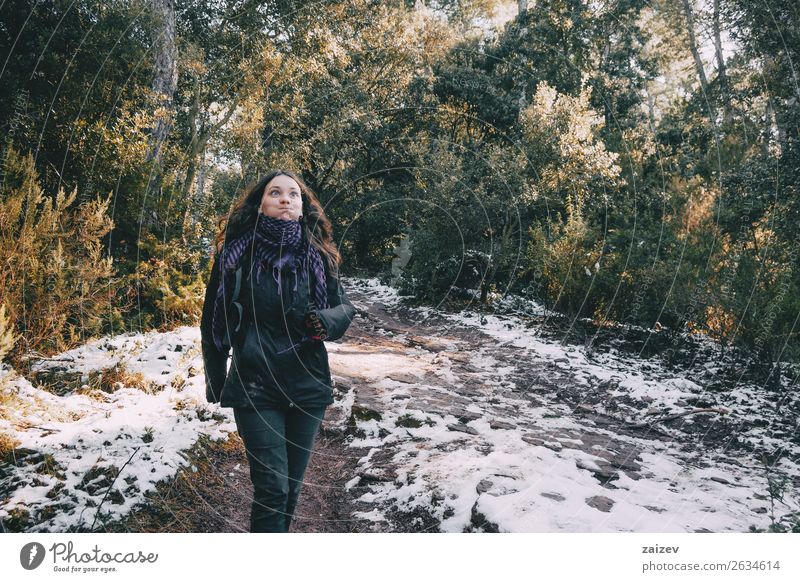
[{"x": 316, "y": 226}]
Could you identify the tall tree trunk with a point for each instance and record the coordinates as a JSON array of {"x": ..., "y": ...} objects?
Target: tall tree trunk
[
  {"x": 165, "y": 79},
  {"x": 607, "y": 114},
  {"x": 722, "y": 75},
  {"x": 201, "y": 178},
  {"x": 194, "y": 197},
  {"x": 503, "y": 242},
  {"x": 200, "y": 134},
  {"x": 698, "y": 62},
  {"x": 771, "y": 121},
  {"x": 434, "y": 271},
  {"x": 780, "y": 127}
]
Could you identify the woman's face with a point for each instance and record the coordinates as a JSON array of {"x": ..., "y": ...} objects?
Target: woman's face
[{"x": 282, "y": 199}]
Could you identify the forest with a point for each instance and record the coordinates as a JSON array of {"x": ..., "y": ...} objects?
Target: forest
[
  {"x": 625, "y": 161},
  {"x": 629, "y": 165}
]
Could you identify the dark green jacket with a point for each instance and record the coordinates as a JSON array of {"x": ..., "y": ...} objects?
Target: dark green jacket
[{"x": 259, "y": 376}]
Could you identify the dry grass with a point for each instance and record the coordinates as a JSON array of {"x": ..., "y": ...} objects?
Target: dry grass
[
  {"x": 7, "y": 444},
  {"x": 194, "y": 500},
  {"x": 118, "y": 376},
  {"x": 178, "y": 382},
  {"x": 16, "y": 409}
]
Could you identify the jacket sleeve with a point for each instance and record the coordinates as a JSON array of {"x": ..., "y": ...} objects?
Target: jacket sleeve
[
  {"x": 215, "y": 361},
  {"x": 340, "y": 313}
]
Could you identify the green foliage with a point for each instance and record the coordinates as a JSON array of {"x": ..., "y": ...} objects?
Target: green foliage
[
  {"x": 572, "y": 152},
  {"x": 571, "y": 165},
  {"x": 170, "y": 285},
  {"x": 564, "y": 259}
]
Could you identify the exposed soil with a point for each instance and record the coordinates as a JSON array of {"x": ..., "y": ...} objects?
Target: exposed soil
[{"x": 217, "y": 497}]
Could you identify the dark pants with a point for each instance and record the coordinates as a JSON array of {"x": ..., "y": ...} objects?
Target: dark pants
[{"x": 278, "y": 443}]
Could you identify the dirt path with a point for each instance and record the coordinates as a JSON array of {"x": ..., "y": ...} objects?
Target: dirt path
[
  {"x": 324, "y": 506},
  {"x": 217, "y": 497},
  {"x": 415, "y": 389}
]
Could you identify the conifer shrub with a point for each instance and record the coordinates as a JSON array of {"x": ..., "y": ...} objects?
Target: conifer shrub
[{"x": 56, "y": 283}]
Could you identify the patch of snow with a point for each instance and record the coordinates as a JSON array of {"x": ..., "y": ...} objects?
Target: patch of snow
[{"x": 138, "y": 435}]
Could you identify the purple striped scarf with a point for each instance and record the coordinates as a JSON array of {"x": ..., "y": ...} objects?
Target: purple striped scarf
[{"x": 277, "y": 243}]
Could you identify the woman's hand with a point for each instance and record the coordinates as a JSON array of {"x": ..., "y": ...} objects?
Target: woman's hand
[{"x": 314, "y": 326}]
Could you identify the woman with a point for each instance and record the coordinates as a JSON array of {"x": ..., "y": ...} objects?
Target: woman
[{"x": 273, "y": 297}]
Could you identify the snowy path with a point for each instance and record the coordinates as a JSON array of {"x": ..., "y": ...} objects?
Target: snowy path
[
  {"x": 468, "y": 426},
  {"x": 487, "y": 427}
]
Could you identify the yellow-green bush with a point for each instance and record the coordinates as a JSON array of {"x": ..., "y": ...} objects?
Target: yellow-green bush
[
  {"x": 562, "y": 260},
  {"x": 55, "y": 281},
  {"x": 171, "y": 284}
]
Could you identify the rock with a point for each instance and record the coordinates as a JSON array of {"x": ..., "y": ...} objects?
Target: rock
[
  {"x": 426, "y": 343},
  {"x": 539, "y": 442},
  {"x": 553, "y": 496},
  {"x": 465, "y": 416},
  {"x": 606, "y": 384},
  {"x": 720, "y": 480},
  {"x": 619, "y": 455},
  {"x": 571, "y": 444},
  {"x": 533, "y": 440},
  {"x": 462, "y": 428},
  {"x": 484, "y": 486},
  {"x": 478, "y": 520},
  {"x": 405, "y": 378},
  {"x": 502, "y": 491},
  {"x": 600, "y": 502},
  {"x": 485, "y": 448},
  {"x": 499, "y": 424},
  {"x": 375, "y": 476},
  {"x": 620, "y": 459},
  {"x": 604, "y": 472},
  {"x": 450, "y": 446}
]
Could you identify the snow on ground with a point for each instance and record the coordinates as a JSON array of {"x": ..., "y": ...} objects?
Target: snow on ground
[
  {"x": 476, "y": 445},
  {"x": 544, "y": 486},
  {"x": 91, "y": 437}
]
